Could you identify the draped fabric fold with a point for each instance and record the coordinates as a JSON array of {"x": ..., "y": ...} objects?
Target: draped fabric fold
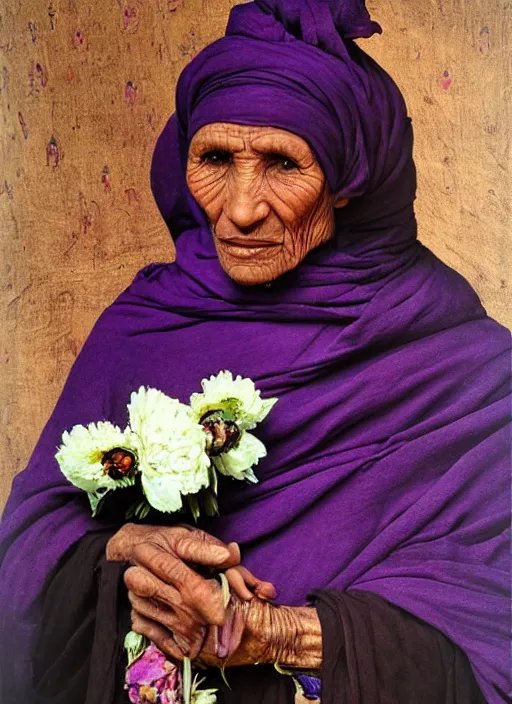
[
  {"x": 375, "y": 653},
  {"x": 78, "y": 653},
  {"x": 388, "y": 451}
]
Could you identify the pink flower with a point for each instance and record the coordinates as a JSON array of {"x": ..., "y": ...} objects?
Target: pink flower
[{"x": 152, "y": 679}]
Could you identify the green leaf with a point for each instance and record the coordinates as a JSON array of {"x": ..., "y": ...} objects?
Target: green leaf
[
  {"x": 211, "y": 506},
  {"x": 142, "y": 510},
  {"x": 213, "y": 478},
  {"x": 137, "y": 510},
  {"x": 193, "y": 504},
  {"x": 223, "y": 675},
  {"x": 130, "y": 512},
  {"x": 96, "y": 500},
  {"x": 135, "y": 645}
]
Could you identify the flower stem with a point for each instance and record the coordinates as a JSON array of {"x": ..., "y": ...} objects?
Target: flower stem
[{"x": 187, "y": 680}]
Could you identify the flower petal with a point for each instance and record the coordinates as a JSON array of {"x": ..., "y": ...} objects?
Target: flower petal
[
  {"x": 238, "y": 462},
  {"x": 163, "y": 491}
]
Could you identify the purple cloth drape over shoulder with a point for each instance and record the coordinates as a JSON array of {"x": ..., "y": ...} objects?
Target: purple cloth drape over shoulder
[{"x": 388, "y": 452}]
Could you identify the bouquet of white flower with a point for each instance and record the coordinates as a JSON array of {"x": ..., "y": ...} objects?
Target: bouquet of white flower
[
  {"x": 172, "y": 453},
  {"x": 170, "y": 450}
]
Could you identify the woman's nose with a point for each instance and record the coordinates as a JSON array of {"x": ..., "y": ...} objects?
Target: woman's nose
[{"x": 245, "y": 205}]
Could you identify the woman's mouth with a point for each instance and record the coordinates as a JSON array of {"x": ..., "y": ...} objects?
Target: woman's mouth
[{"x": 247, "y": 242}]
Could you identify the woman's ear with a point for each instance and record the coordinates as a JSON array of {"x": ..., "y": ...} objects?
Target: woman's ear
[{"x": 341, "y": 202}]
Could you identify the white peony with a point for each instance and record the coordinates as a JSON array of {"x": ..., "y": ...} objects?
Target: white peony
[
  {"x": 173, "y": 459},
  {"x": 237, "y": 396},
  {"x": 202, "y": 696},
  {"x": 82, "y": 452},
  {"x": 239, "y": 461}
]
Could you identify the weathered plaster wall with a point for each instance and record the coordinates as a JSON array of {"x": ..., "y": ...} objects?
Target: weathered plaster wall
[{"x": 85, "y": 88}]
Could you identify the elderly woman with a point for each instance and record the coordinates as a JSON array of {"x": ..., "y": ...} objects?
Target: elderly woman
[{"x": 380, "y": 519}]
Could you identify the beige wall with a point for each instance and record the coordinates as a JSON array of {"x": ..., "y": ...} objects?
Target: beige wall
[{"x": 85, "y": 87}]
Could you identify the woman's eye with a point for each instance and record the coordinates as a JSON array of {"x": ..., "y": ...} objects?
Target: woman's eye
[
  {"x": 216, "y": 157},
  {"x": 284, "y": 162}
]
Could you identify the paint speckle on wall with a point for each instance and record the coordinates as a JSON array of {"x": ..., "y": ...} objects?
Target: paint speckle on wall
[
  {"x": 7, "y": 47},
  {"x": 88, "y": 213},
  {"x": 86, "y": 223},
  {"x": 23, "y": 125},
  {"x": 151, "y": 118},
  {"x": 105, "y": 179},
  {"x": 132, "y": 196},
  {"x": 130, "y": 94},
  {"x": 188, "y": 46},
  {"x": 33, "y": 31},
  {"x": 130, "y": 19},
  {"x": 52, "y": 16},
  {"x": 174, "y": 5},
  {"x": 53, "y": 155},
  {"x": 36, "y": 79},
  {"x": 79, "y": 39},
  {"x": 5, "y": 79},
  {"x": 446, "y": 80},
  {"x": 6, "y": 189},
  {"x": 485, "y": 41}
]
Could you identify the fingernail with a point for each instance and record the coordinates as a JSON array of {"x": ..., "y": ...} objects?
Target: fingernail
[
  {"x": 182, "y": 644},
  {"x": 220, "y": 553},
  {"x": 234, "y": 551}
]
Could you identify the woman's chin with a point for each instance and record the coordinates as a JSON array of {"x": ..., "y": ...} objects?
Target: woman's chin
[{"x": 251, "y": 274}]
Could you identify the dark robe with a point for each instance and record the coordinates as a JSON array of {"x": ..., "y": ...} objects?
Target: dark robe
[{"x": 373, "y": 652}]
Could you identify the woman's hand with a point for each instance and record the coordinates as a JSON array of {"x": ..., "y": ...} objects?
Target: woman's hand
[
  {"x": 166, "y": 591},
  {"x": 255, "y": 632}
]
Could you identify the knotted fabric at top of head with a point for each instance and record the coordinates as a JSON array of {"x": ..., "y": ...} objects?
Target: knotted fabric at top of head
[
  {"x": 321, "y": 23},
  {"x": 292, "y": 65}
]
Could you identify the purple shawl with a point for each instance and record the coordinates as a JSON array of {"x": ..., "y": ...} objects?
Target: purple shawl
[{"x": 387, "y": 467}]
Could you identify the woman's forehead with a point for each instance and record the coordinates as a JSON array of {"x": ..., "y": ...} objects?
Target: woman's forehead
[{"x": 240, "y": 137}]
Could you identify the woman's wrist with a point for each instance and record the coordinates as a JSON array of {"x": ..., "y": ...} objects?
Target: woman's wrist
[
  {"x": 297, "y": 638},
  {"x": 287, "y": 635}
]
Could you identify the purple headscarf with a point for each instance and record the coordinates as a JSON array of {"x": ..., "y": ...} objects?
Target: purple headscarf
[{"x": 387, "y": 465}]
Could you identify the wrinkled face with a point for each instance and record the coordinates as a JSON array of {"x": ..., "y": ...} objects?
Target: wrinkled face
[{"x": 265, "y": 195}]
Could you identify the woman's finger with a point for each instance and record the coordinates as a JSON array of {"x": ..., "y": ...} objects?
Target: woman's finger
[
  {"x": 182, "y": 625},
  {"x": 237, "y": 584},
  {"x": 156, "y": 633},
  {"x": 197, "y": 547},
  {"x": 253, "y": 585},
  {"x": 202, "y": 594},
  {"x": 143, "y": 584}
]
